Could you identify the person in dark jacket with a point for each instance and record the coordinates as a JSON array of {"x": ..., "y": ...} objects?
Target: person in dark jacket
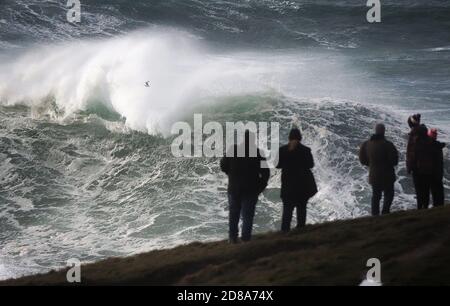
[
  {"x": 246, "y": 180},
  {"x": 414, "y": 124},
  {"x": 381, "y": 156},
  {"x": 422, "y": 167},
  {"x": 297, "y": 181},
  {"x": 437, "y": 185}
]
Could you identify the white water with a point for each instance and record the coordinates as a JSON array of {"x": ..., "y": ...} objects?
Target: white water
[
  {"x": 113, "y": 72},
  {"x": 181, "y": 71}
]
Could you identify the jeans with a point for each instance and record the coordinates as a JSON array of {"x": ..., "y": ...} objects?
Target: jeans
[
  {"x": 241, "y": 205},
  {"x": 377, "y": 192},
  {"x": 288, "y": 209}
]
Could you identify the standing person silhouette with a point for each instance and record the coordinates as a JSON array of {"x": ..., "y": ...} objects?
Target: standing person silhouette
[
  {"x": 422, "y": 166},
  {"x": 246, "y": 180},
  {"x": 419, "y": 160},
  {"x": 414, "y": 124},
  {"x": 297, "y": 180},
  {"x": 381, "y": 156},
  {"x": 437, "y": 184}
]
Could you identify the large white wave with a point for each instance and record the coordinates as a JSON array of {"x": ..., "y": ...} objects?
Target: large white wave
[
  {"x": 113, "y": 72},
  {"x": 180, "y": 70}
]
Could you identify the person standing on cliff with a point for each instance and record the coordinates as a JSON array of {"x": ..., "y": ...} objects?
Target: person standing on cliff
[
  {"x": 437, "y": 185},
  {"x": 419, "y": 160},
  {"x": 422, "y": 165},
  {"x": 381, "y": 156},
  {"x": 414, "y": 125},
  {"x": 297, "y": 180},
  {"x": 246, "y": 180}
]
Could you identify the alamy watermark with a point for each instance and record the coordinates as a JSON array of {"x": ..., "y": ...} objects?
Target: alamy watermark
[
  {"x": 74, "y": 11},
  {"x": 373, "y": 275},
  {"x": 73, "y": 275},
  {"x": 210, "y": 140},
  {"x": 374, "y": 13}
]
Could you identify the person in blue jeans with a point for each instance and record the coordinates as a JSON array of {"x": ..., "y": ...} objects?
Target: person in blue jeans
[{"x": 246, "y": 180}]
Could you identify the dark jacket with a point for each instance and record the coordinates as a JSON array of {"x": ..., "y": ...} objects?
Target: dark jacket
[
  {"x": 245, "y": 174},
  {"x": 438, "y": 158},
  {"x": 413, "y": 136},
  {"x": 297, "y": 180},
  {"x": 381, "y": 156},
  {"x": 425, "y": 153}
]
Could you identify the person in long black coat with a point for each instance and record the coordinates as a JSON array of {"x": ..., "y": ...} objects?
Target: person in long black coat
[
  {"x": 297, "y": 180},
  {"x": 423, "y": 167},
  {"x": 415, "y": 125},
  {"x": 437, "y": 185}
]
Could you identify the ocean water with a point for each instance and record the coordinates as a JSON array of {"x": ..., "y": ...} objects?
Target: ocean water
[{"x": 85, "y": 164}]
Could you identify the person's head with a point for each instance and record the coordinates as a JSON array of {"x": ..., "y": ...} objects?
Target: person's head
[
  {"x": 433, "y": 133},
  {"x": 380, "y": 129},
  {"x": 295, "y": 135},
  {"x": 414, "y": 120}
]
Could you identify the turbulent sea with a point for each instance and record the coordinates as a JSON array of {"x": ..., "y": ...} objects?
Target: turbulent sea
[{"x": 86, "y": 169}]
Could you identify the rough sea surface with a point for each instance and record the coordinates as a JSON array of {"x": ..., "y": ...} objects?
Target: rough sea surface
[{"x": 86, "y": 169}]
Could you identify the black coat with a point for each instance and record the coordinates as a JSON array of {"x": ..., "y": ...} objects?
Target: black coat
[
  {"x": 381, "y": 156},
  {"x": 245, "y": 174},
  {"x": 438, "y": 158},
  {"x": 416, "y": 137},
  {"x": 411, "y": 149},
  {"x": 297, "y": 180},
  {"x": 425, "y": 153}
]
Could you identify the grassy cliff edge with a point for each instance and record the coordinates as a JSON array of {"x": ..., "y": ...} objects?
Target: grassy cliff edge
[{"x": 413, "y": 247}]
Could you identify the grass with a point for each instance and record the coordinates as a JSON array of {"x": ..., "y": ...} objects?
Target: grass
[{"x": 413, "y": 247}]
